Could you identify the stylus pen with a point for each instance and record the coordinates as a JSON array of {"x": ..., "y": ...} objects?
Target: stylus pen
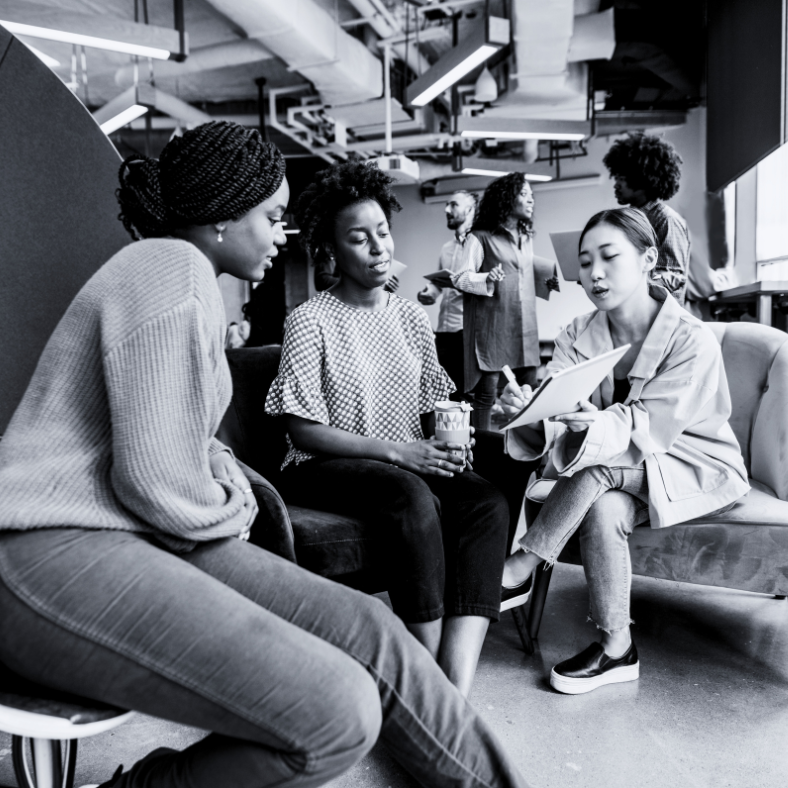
[{"x": 507, "y": 370}]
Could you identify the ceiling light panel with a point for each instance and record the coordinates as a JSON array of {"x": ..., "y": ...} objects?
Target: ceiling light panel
[
  {"x": 98, "y": 31},
  {"x": 485, "y": 40},
  {"x": 522, "y": 129}
]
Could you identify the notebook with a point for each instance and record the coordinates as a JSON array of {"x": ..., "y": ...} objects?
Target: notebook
[
  {"x": 563, "y": 392},
  {"x": 565, "y": 246}
]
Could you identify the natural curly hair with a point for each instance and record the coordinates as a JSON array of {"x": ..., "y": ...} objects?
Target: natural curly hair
[
  {"x": 647, "y": 163},
  {"x": 333, "y": 190},
  {"x": 498, "y": 202},
  {"x": 215, "y": 172}
]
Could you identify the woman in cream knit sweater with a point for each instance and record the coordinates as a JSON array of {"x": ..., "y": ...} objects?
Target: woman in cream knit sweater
[{"x": 121, "y": 577}]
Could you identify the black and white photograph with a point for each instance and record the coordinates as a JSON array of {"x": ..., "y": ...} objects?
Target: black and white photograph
[{"x": 393, "y": 393}]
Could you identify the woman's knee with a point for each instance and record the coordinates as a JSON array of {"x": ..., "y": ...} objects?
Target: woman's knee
[
  {"x": 411, "y": 503},
  {"x": 353, "y": 720},
  {"x": 613, "y": 514}
]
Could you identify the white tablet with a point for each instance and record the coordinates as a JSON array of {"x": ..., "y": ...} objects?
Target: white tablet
[
  {"x": 565, "y": 246},
  {"x": 563, "y": 392}
]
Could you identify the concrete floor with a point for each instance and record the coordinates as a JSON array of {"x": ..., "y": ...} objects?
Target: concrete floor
[{"x": 710, "y": 709}]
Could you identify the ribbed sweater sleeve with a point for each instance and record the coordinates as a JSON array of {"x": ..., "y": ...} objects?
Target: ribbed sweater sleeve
[{"x": 162, "y": 400}]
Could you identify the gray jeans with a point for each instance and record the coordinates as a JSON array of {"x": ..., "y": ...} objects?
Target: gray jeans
[
  {"x": 605, "y": 504},
  {"x": 294, "y": 675}
]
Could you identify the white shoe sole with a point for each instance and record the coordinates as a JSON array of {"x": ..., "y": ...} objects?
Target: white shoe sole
[
  {"x": 570, "y": 686},
  {"x": 516, "y": 601}
]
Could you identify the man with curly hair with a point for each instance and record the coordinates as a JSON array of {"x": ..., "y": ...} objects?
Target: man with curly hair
[{"x": 646, "y": 171}]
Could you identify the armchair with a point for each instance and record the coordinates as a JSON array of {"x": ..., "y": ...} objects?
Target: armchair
[
  {"x": 328, "y": 544},
  {"x": 747, "y": 547}
]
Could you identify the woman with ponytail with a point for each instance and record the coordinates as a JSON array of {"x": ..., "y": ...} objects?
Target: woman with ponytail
[{"x": 124, "y": 574}]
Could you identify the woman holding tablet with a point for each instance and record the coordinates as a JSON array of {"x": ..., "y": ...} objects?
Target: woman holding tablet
[{"x": 653, "y": 444}]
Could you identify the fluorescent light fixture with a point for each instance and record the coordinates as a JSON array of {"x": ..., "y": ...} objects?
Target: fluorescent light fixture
[
  {"x": 99, "y": 31},
  {"x": 128, "y": 106},
  {"x": 523, "y": 129},
  {"x": 498, "y": 173},
  {"x": 485, "y": 40},
  {"x": 79, "y": 39},
  {"x": 523, "y": 135},
  {"x": 123, "y": 118},
  {"x": 137, "y": 100}
]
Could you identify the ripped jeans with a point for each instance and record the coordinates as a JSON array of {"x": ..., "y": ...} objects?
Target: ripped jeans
[{"x": 605, "y": 504}]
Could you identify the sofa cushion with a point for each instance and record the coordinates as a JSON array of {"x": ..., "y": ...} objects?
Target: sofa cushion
[
  {"x": 745, "y": 548},
  {"x": 263, "y": 444},
  {"x": 330, "y": 544}
]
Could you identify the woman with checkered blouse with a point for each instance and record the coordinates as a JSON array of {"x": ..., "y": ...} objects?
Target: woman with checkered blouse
[{"x": 357, "y": 385}]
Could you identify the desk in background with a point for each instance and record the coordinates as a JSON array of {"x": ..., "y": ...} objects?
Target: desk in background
[{"x": 762, "y": 294}]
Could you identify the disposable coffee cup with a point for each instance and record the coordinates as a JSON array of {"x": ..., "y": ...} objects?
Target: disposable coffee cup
[{"x": 453, "y": 424}]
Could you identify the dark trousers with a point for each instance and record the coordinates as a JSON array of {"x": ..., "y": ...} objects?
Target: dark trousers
[
  {"x": 294, "y": 675},
  {"x": 486, "y": 390},
  {"x": 451, "y": 356},
  {"x": 442, "y": 541}
]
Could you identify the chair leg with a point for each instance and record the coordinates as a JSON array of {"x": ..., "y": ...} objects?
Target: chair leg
[
  {"x": 521, "y": 622},
  {"x": 47, "y": 769},
  {"x": 22, "y": 770},
  {"x": 69, "y": 762},
  {"x": 538, "y": 596}
]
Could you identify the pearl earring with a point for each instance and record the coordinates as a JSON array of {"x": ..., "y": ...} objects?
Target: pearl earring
[{"x": 219, "y": 236}]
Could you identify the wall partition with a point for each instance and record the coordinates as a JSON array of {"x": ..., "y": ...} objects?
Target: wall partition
[{"x": 58, "y": 214}]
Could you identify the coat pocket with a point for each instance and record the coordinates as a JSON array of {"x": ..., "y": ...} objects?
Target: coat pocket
[{"x": 685, "y": 478}]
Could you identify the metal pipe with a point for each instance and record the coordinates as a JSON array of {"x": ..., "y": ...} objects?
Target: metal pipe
[{"x": 387, "y": 94}]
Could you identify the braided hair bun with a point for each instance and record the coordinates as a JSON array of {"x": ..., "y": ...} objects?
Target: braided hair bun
[{"x": 213, "y": 173}]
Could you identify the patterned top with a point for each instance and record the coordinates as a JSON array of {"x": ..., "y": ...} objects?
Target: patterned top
[
  {"x": 369, "y": 373},
  {"x": 674, "y": 248},
  {"x": 451, "y": 259}
]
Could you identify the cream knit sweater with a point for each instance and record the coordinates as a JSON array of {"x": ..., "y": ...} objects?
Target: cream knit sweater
[{"x": 117, "y": 424}]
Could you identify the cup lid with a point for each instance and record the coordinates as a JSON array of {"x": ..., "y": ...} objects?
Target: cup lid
[{"x": 448, "y": 406}]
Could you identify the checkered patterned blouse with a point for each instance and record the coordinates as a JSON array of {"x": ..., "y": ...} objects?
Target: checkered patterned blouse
[{"x": 369, "y": 373}]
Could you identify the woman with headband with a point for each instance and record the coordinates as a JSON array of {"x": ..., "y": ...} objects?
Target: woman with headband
[{"x": 124, "y": 576}]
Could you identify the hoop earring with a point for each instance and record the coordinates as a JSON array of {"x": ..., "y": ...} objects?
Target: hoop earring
[{"x": 219, "y": 236}]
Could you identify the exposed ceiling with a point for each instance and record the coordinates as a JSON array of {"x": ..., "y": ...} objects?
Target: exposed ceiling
[{"x": 331, "y": 49}]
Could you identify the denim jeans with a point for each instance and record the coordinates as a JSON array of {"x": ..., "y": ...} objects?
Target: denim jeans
[
  {"x": 486, "y": 389},
  {"x": 605, "y": 504},
  {"x": 294, "y": 675},
  {"x": 444, "y": 538}
]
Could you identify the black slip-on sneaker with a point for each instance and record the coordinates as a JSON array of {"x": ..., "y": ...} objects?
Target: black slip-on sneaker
[
  {"x": 593, "y": 668},
  {"x": 516, "y": 596}
]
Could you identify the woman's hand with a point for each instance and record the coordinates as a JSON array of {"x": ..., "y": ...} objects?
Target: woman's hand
[
  {"x": 581, "y": 420},
  {"x": 225, "y": 468},
  {"x": 514, "y": 398},
  {"x": 429, "y": 457},
  {"x": 496, "y": 274},
  {"x": 392, "y": 284}
]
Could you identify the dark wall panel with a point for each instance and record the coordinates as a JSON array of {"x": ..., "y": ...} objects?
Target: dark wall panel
[
  {"x": 746, "y": 90},
  {"x": 58, "y": 214}
]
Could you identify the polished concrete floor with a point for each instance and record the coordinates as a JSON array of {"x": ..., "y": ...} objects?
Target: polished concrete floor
[{"x": 710, "y": 709}]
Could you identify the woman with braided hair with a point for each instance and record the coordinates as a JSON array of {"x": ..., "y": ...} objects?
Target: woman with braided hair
[
  {"x": 357, "y": 386},
  {"x": 121, "y": 575}
]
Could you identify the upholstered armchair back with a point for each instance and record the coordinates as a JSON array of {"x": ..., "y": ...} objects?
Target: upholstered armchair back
[{"x": 756, "y": 363}]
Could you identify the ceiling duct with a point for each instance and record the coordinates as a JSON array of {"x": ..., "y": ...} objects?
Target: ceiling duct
[
  {"x": 230, "y": 53},
  {"x": 551, "y": 45},
  {"x": 310, "y": 41}
]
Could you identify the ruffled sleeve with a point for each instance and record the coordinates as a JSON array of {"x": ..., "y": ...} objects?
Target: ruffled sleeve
[
  {"x": 297, "y": 389},
  {"x": 435, "y": 384}
]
